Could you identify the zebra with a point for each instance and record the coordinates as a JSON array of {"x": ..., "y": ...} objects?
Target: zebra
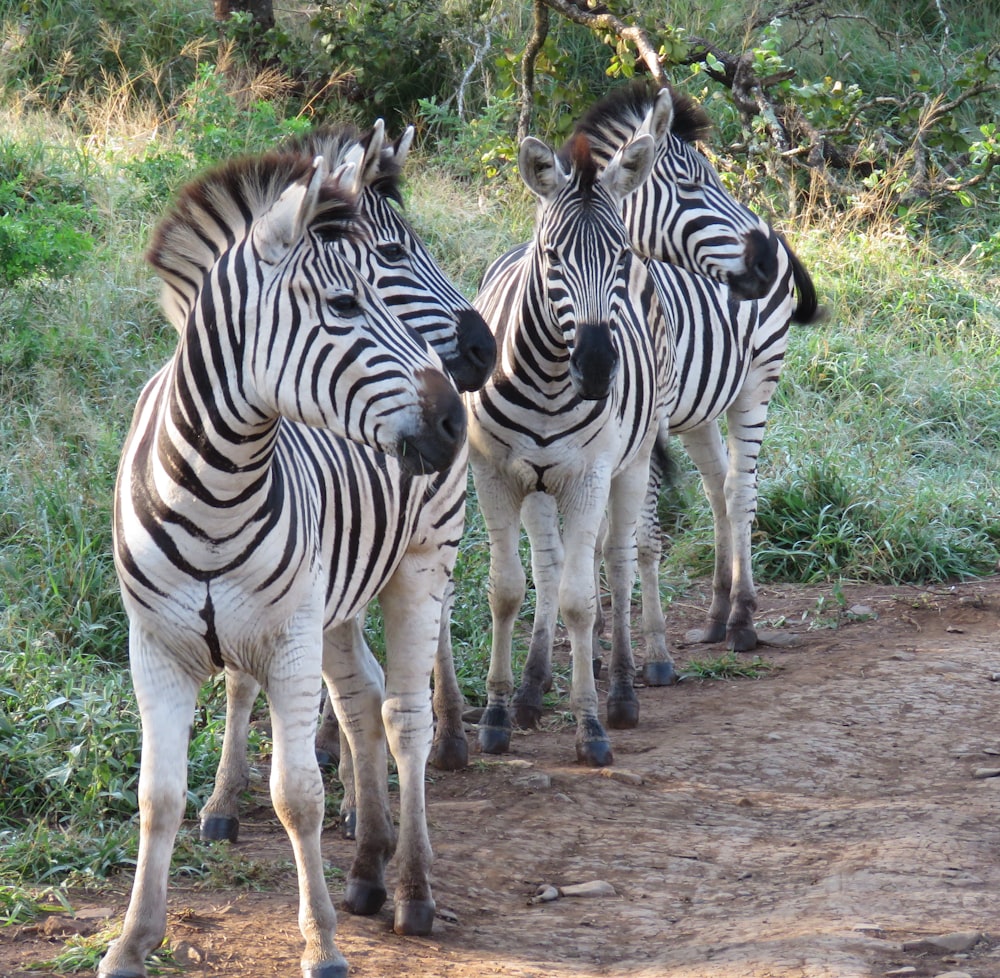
[
  {"x": 565, "y": 425},
  {"x": 229, "y": 532},
  {"x": 393, "y": 259},
  {"x": 730, "y": 354}
]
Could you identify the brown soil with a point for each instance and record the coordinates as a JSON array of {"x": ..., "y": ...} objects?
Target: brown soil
[{"x": 819, "y": 822}]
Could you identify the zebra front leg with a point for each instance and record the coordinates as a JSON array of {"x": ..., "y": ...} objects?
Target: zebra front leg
[
  {"x": 506, "y": 593},
  {"x": 628, "y": 493},
  {"x": 578, "y": 604},
  {"x": 708, "y": 452},
  {"x": 412, "y": 603},
  {"x": 540, "y": 516},
  {"x": 355, "y": 681},
  {"x": 658, "y": 666},
  {"x": 293, "y": 691},
  {"x": 450, "y": 750},
  {"x": 220, "y": 818},
  {"x": 167, "y": 695}
]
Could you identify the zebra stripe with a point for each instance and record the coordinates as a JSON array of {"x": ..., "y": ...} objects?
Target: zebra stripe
[
  {"x": 565, "y": 426},
  {"x": 730, "y": 354},
  {"x": 232, "y": 535}
]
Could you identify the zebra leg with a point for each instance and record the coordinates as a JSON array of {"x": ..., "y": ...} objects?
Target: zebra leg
[
  {"x": 506, "y": 593},
  {"x": 328, "y": 736},
  {"x": 577, "y": 602},
  {"x": 450, "y": 750},
  {"x": 745, "y": 419},
  {"x": 412, "y": 610},
  {"x": 658, "y": 666},
  {"x": 355, "y": 680},
  {"x": 705, "y": 447},
  {"x": 628, "y": 491},
  {"x": 167, "y": 695},
  {"x": 298, "y": 796},
  {"x": 220, "y": 818},
  {"x": 540, "y": 516}
]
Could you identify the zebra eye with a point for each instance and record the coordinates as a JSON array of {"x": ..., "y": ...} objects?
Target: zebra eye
[
  {"x": 344, "y": 304},
  {"x": 392, "y": 251},
  {"x": 552, "y": 257}
]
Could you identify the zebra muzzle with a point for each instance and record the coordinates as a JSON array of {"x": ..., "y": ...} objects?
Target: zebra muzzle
[
  {"x": 440, "y": 432},
  {"x": 594, "y": 362}
]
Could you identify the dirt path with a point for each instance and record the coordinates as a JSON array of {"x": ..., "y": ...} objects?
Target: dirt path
[{"x": 820, "y": 822}]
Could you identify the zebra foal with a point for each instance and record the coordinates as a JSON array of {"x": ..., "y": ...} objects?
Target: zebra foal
[
  {"x": 224, "y": 499},
  {"x": 393, "y": 259},
  {"x": 565, "y": 425},
  {"x": 729, "y": 353}
]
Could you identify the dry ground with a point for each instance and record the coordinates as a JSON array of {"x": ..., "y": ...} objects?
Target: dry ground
[{"x": 820, "y": 822}]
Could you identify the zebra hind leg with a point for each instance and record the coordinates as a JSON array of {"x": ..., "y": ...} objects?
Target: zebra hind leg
[{"x": 450, "y": 749}]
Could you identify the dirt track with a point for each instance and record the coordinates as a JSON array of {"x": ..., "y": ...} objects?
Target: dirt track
[{"x": 811, "y": 824}]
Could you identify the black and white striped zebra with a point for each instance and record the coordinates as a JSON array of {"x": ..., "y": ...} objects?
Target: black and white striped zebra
[
  {"x": 565, "y": 426},
  {"x": 394, "y": 260},
  {"x": 232, "y": 532},
  {"x": 729, "y": 353}
]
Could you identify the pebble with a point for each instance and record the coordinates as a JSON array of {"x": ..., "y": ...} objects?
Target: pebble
[
  {"x": 872, "y": 930},
  {"x": 986, "y": 772},
  {"x": 953, "y": 974},
  {"x": 907, "y": 970},
  {"x": 187, "y": 953},
  {"x": 620, "y": 774}
]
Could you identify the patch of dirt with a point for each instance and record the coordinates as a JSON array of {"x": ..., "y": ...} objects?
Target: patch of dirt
[{"x": 825, "y": 821}]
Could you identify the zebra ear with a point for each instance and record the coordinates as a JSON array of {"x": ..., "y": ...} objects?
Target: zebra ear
[
  {"x": 539, "y": 167},
  {"x": 371, "y": 161},
  {"x": 630, "y": 166},
  {"x": 285, "y": 223},
  {"x": 401, "y": 147},
  {"x": 660, "y": 117}
]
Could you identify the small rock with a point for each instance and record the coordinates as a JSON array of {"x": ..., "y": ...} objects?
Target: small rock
[
  {"x": 546, "y": 893},
  {"x": 595, "y": 888},
  {"x": 535, "y": 781},
  {"x": 986, "y": 772},
  {"x": 955, "y": 943},
  {"x": 448, "y": 916},
  {"x": 907, "y": 970},
  {"x": 861, "y": 611},
  {"x": 872, "y": 930},
  {"x": 953, "y": 974},
  {"x": 186, "y": 953},
  {"x": 620, "y": 774}
]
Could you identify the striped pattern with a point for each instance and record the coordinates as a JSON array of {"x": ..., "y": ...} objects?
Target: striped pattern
[
  {"x": 729, "y": 353},
  {"x": 242, "y": 518},
  {"x": 564, "y": 428}
]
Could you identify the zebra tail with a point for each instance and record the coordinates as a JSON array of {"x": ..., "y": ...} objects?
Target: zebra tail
[{"x": 807, "y": 308}]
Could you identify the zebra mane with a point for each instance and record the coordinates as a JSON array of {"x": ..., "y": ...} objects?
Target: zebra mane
[
  {"x": 626, "y": 107},
  {"x": 334, "y": 142},
  {"x": 576, "y": 153},
  {"x": 217, "y": 209}
]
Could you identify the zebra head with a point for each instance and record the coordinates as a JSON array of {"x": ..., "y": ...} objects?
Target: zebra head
[
  {"x": 393, "y": 259},
  {"x": 581, "y": 250},
  {"x": 276, "y": 323},
  {"x": 683, "y": 214}
]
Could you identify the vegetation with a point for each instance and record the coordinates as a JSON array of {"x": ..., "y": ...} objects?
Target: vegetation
[{"x": 880, "y": 462}]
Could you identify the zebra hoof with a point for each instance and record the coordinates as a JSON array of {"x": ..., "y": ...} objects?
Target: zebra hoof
[
  {"x": 220, "y": 828},
  {"x": 414, "y": 918},
  {"x": 623, "y": 709},
  {"x": 450, "y": 753},
  {"x": 494, "y": 731},
  {"x": 528, "y": 707},
  {"x": 364, "y": 898},
  {"x": 659, "y": 673},
  {"x": 592, "y": 745},
  {"x": 329, "y": 969},
  {"x": 742, "y": 639},
  {"x": 349, "y": 823}
]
